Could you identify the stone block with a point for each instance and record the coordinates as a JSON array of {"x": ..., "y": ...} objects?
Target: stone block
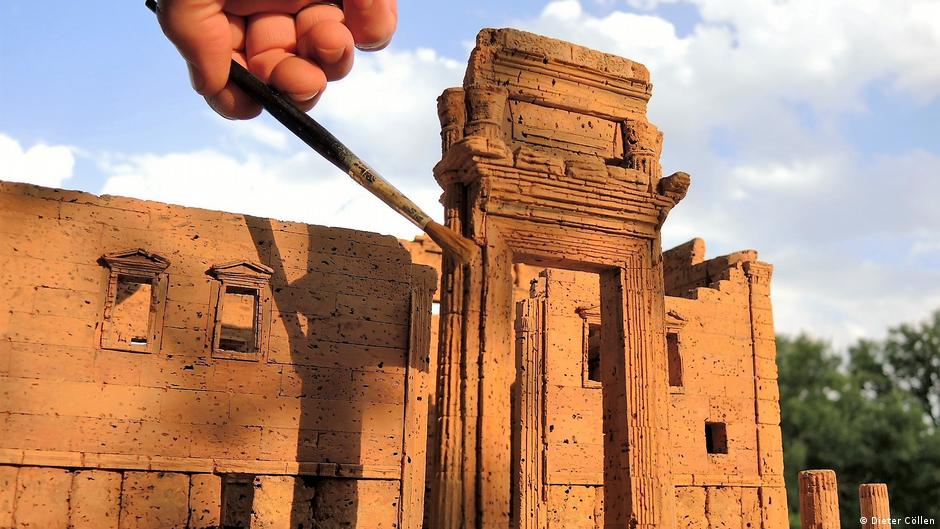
[
  {"x": 7, "y": 495},
  {"x": 571, "y": 507},
  {"x": 281, "y": 502},
  {"x": 690, "y": 508},
  {"x": 773, "y": 501},
  {"x": 723, "y": 507},
  {"x": 343, "y": 503},
  {"x": 205, "y": 501},
  {"x": 42, "y": 498},
  {"x": 154, "y": 500},
  {"x": 195, "y": 407},
  {"x": 95, "y": 501},
  {"x": 750, "y": 509},
  {"x": 75, "y": 364},
  {"x": 37, "y": 432},
  {"x": 237, "y": 497},
  {"x": 225, "y": 442}
]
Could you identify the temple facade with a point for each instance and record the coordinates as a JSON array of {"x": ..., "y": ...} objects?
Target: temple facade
[{"x": 163, "y": 366}]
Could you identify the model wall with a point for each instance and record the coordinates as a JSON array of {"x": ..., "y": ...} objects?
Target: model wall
[
  {"x": 718, "y": 311},
  {"x": 723, "y": 478},
  {"x": 104, "y": 425}
]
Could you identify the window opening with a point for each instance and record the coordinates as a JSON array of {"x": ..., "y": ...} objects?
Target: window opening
[
  {"x": 130, "y": 316},
  {"x": 674, "y": 359},
  {"x": 239, "y": 324},
  {"x": 716, "y": 438},
  {"x": 594, "y": 352}
]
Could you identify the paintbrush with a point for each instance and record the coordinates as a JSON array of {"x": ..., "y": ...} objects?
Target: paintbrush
[{"x": 321, "y": 140}]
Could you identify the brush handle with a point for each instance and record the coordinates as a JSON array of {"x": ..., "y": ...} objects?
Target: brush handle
[{"x": 321, "y": 140}]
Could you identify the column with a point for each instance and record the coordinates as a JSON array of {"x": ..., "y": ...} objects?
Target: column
[
  {"x": 637, "y": 488},
  {"x": 819, "y": 500},
  {"x": 873, "y": 500}
]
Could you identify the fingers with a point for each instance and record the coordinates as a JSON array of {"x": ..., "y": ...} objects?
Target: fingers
[
  {"x": 271, "y": 42},
  {"x": 200, "y": 31},
  {"x": 324, "y": 39},
  {"x": 371, "y": 22},
  {"x": 299, "y": 79},
  {"x": 236, "y": 25},
  {"x": 295, "y": 45},
  {"x": 231, "y": 102},
  {"x": 253, "y": 7}
]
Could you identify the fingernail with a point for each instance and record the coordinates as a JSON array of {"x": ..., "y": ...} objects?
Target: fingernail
[
  {"x": 196, "y": 78},
  {"x": 213, "y": 104},
  {"x": 303, "y": 98},
  {"x": 361, "y": 4},
  {"x": 374, "y": 46},
  {"x": 330, "y": 55}
]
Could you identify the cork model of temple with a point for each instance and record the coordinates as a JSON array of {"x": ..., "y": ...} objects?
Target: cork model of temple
[{"x": 163, "y": 366}]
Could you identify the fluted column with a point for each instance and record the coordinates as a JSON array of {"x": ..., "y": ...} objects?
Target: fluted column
[
  {"x": 638, "y": 492},
  {"x": 873, "y": 500},
  {"x": 642, "y": 145},
  {"x": 452, "y": 112},
  {"x": 819, "y": 500},
  {"x": 486, "y": 105}
]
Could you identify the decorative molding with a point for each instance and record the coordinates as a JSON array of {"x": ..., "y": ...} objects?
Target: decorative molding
[
  {"x": 142, "y": 265},
  {"x": 91, "y": 460},
  {"x": 675, "y": 186},
  {"x": 417, "y": 377},
  {"x": 675, "y": 320},
  {"x": 242, "y": 275},
  {"x": 590, "y": 316},
  {"x": 642, "y": 145},
  {"x": 136, "y": 260},
  {"x": 529, "y": 467},
  {"x": 242, "y": 272}
]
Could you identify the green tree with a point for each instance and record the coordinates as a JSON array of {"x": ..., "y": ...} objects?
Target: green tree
[
  {"x": 869, "y": 415},
  {"x": 911, "y": 355}
]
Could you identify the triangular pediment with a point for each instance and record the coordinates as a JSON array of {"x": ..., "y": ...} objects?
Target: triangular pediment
[
  {"x": 589, "y": 312},
  {"x": 241, "y": 269},
  {"x": 675, "y": 320},
  {"x": 136, "y": 259}
]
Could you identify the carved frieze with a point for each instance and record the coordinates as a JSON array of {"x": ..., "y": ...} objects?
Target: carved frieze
[{"x": 642, "y": 145}]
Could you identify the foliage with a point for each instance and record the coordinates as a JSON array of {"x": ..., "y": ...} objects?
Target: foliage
[{"x": 870, "y": 415}]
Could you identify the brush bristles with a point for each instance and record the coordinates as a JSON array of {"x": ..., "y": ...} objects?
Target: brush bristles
[{"x": 460, "y": 248}]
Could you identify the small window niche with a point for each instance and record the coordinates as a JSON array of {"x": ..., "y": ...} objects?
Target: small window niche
[
  {"x": 716, "y": 438},
  {"x": 242, "y": 298},
  {"x": 674, "y": 359},
  {"x": 591, "y": 347},
  {"x": 133, "y": 312},
  {"x": 675, "y": 370}
]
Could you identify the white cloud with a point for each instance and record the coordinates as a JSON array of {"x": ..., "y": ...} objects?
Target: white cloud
[
  {"x": 746, "y": 60},
  {"x": 385, "y": 111},
  {"x": 843, "y": 299},
  {"x": 258, "y": 131},
  {"x": 301, "y": 187},
  {"x": 46, "y": 165},
  {"x": 797, "y": 175}
]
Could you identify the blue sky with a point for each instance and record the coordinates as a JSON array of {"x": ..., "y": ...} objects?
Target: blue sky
[{"x": 811, "y": 130}]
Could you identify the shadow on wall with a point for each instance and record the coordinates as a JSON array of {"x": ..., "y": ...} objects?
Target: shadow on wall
[{"x": 314, "y": 501}]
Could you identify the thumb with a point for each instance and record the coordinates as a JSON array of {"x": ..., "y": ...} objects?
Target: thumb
[{"x": 200, "y": 31}]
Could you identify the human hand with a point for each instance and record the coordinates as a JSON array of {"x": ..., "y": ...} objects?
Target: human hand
[{"x": 294, "y": 45}]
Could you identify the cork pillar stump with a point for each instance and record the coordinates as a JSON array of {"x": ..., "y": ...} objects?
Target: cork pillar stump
[
  {"x": 873, "y": 503},
  {"x": 819, "y": 500}
]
